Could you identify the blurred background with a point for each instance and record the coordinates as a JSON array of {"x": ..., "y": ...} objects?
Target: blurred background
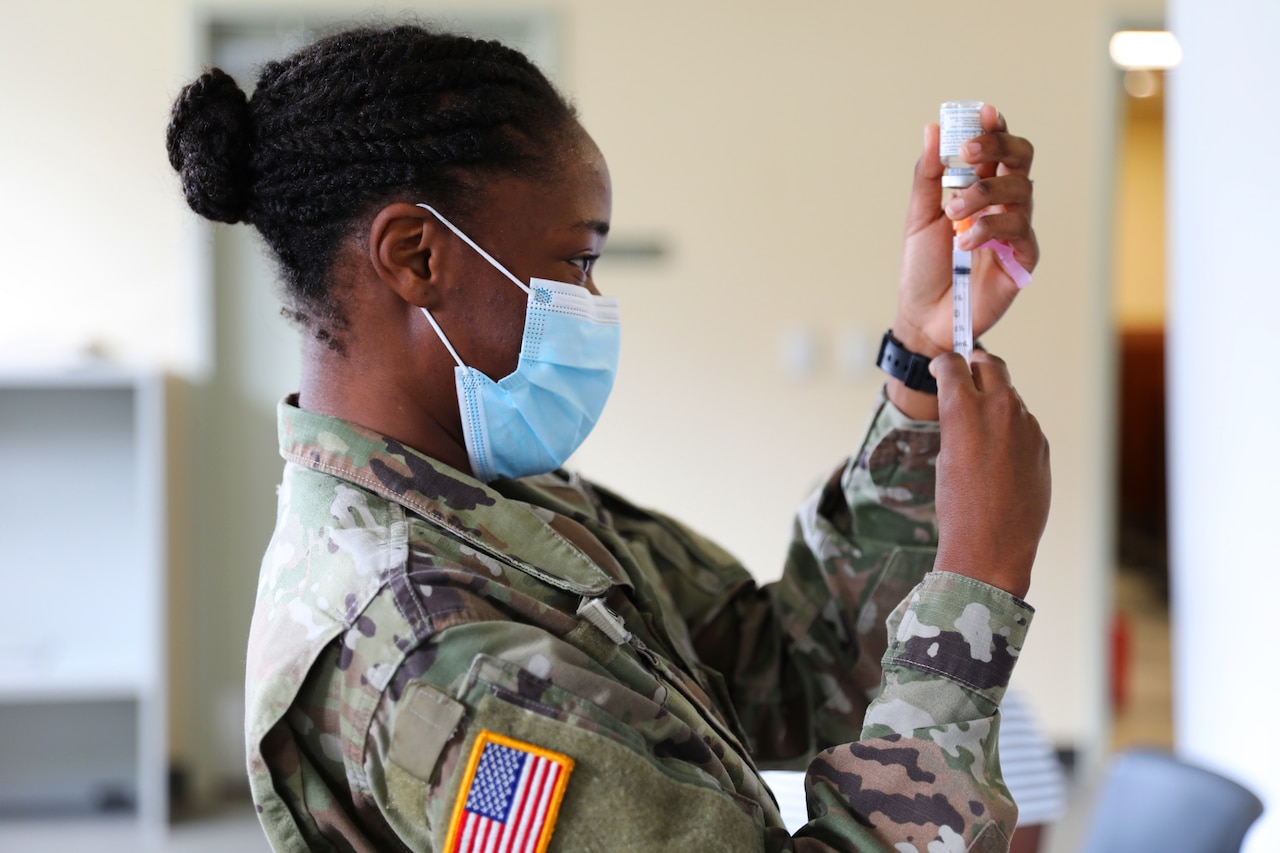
[{"x": 761, "y": 155}]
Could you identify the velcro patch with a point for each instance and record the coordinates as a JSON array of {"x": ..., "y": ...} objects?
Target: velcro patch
[
  {"x": 425, "y": 722},
  {"x": 509, "y": 797}
]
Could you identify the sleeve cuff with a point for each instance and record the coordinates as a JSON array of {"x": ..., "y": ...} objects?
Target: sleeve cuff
[
  {"x": 897, "y": 462},
  {"x": 961, "y": 629},
  {"x": 893, "y": 417}
]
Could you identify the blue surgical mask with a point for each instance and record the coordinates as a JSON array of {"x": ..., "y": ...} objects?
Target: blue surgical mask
[{"x": 531, "y": 421}]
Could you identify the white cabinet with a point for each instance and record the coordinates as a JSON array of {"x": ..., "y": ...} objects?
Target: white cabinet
[{"x": 82, "y": 582}]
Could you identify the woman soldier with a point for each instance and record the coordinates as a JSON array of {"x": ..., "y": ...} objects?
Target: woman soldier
[{"x": 457, "y": 645}]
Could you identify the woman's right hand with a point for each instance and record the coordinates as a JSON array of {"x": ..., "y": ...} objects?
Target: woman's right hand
[{"x": 993, "y": 481}]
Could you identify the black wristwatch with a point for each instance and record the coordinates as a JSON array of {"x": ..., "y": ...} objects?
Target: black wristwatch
[{"x": 903, "y": 364}]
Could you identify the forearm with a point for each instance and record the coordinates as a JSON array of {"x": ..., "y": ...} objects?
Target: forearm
[{"x": 802, "y": 655}]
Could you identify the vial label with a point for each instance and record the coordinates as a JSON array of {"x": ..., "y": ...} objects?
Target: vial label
[{"x": 960, "y": 122}]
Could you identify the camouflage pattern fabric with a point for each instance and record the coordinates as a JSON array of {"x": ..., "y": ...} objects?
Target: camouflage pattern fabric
[{"x": 404, "y": 608}]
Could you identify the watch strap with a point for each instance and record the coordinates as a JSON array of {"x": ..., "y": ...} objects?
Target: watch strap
[{"x": 912, "y": 369}]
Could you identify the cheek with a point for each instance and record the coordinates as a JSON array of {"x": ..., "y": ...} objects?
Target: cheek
[{"x": 502, "y": 320}]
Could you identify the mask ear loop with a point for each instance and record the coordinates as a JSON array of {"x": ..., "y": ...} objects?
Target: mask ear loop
[
  {"x": 472, "y": 243},
  {"x": 443, "y": 339}
]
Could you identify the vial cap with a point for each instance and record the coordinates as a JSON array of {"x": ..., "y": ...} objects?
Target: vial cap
[{"x": 959, "y": 178}]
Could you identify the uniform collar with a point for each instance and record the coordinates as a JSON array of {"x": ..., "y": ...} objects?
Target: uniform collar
[{"x": 458, "y": 504}]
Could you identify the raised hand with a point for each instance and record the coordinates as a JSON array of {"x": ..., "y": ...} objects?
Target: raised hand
[
  {"x": 993, "y": 483},
  {"x": 1001, "y": 204}
]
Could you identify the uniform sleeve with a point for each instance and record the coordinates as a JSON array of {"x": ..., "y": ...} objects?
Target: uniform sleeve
[
  {"x": 857, "y": 615},
  {"x": 926, "y": 770},
  {"x": 802, "y": 656},
  {"x": 843, "y": 638}
]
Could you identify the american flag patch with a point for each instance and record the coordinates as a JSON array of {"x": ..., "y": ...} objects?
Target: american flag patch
[{"x": 509, "y": 797}]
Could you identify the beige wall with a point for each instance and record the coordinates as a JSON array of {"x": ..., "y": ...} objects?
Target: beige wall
[
  {"x": 92, "y": 250},
  {"x": 769, "y": 145},
  {"x": 774, "y": 149}
]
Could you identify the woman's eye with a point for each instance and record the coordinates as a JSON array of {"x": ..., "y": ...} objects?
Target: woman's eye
[{"x": 585, "y": 263}]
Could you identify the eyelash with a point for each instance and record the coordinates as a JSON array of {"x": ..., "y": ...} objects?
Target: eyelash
[{"x": 585, "y": 263}]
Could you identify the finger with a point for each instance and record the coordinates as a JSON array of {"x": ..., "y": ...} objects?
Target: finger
[
  {"x": 995, "y": 285},
  {"x": 926, "y": 188},
  {"x": 952, "y": 375},
  {"x": 1012, "y": 153},
  {"x": 929, "y": 160},
  {"x": 1010, "y": 227},
  {"x": 994, "y": 288},
  {"x": 1006, "y": 190},
  {"x": 992, "y": 119},
  {"x": 1026, "y": 249},
  {"x": 990, "y": 373}
]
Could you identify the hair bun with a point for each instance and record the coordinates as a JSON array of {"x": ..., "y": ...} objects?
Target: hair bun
[{"x": 208, "y": 141}]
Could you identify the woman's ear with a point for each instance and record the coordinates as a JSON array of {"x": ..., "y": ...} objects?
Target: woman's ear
[{"x": 407, "y": 248}]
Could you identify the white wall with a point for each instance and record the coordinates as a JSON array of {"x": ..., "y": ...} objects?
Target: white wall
[
  {"x": 92, "y": 249},
  {"x": 1224, "y": 408},
  {"x": 769, "y": 145}
]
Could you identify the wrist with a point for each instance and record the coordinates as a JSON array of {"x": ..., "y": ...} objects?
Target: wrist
[
  {"x": 917, "y": 405},
  {"x": 1011, "y": 575},
  {"x": 910, "y": 387},
  {"x": 914, "y": 339}
]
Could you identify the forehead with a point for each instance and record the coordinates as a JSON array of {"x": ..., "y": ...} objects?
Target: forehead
[{"x": 574, "y": 191}]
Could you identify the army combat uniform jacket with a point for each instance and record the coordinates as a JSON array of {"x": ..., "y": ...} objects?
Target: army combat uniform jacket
[{"x": 438, "y": 664}]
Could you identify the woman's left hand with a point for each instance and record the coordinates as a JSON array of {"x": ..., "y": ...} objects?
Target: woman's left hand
[{"x": 999, "y": 204}]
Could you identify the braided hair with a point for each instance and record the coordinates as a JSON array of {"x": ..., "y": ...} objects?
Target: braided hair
[{"x": 345, "y": 126}]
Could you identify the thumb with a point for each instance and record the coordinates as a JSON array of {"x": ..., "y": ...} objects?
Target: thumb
[
  {"x": 952, "y": 375},
  {"x": 926, "y": 190}
]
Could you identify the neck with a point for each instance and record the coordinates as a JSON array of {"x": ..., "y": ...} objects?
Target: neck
[{"x": 358, "y": 389}]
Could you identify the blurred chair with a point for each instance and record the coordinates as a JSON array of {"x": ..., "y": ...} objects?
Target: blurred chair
[
  {"x": 1032, "y": 773},
  {"x": 1153, "y": 801}
]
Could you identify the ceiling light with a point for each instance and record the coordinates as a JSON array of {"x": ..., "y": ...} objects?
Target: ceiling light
[{"x": 1145, "y": 49}]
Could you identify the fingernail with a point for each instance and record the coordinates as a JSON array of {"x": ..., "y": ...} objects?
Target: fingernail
[
  {"x": 970, "y": 150},
  {"x": 965, "y": 240},
  {"x": 955, "y": 207}
]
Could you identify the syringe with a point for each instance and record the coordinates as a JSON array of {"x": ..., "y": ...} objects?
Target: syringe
[
  {"x": 959, "y": 122},
  {"x": 961, "y": 307}
]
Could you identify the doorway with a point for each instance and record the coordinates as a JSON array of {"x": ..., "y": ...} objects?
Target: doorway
[{"x": 1141, "y": 691}]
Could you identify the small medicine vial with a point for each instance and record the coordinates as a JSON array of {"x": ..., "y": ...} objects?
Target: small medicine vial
[{"x": 959, "y": 122}]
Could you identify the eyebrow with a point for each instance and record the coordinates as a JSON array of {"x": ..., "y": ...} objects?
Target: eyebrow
[{"x": 597, "y": 225}]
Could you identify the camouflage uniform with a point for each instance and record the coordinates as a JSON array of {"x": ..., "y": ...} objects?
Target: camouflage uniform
[{"x": 405, "y": 607}]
